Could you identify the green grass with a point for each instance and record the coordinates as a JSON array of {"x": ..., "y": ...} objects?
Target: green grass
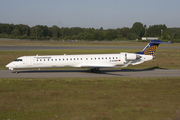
[
  {"x": 90, "y": 99},
  {"x": 166, "y": 58}
]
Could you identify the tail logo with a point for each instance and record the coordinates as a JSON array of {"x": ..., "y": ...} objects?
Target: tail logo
[{"x": 150, "y": 50}]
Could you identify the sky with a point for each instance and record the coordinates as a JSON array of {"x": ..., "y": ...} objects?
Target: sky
[{"x": 90, "y": 13}]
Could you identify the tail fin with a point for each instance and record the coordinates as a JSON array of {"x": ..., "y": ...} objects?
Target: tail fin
[{"x": 151, "y": 47}]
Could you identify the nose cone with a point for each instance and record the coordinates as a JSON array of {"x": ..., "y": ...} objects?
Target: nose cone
[{"x": 10, "y": 66}]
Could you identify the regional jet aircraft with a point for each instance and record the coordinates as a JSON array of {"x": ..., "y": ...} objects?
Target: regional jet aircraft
[{"x": 93, "y": 61}]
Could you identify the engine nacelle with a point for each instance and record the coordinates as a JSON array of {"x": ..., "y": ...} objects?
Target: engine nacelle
[{"x": 132, "y": 56}]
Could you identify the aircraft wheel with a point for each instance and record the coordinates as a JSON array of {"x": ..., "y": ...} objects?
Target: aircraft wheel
[
  {"x": 98, "y": 71},
  {"x": 94, "y": 71}
]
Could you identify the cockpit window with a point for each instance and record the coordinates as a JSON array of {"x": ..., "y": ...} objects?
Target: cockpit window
[{"x": 17, "y": 60}]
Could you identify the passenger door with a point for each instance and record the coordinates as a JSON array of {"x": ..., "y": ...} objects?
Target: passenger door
[{"x": 28, "y": 61}]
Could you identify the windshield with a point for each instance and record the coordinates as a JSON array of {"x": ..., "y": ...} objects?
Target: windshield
[{"x": 18, "y": 60}]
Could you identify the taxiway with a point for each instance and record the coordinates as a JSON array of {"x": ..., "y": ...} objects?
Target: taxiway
[
  {"x": 87, "y": 74},
  {"x": 19, "y": 48}
]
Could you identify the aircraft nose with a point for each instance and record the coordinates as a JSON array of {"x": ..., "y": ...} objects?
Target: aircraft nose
[{"x": 9, "y": 65}]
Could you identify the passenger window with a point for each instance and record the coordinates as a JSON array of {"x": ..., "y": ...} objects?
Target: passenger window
[
  {"x": 113, "y": 57},
  {"x": 109, "y": 57},
  {"x": 74, "y": 58},
  {"x": 77, "y": 58},
  {"x": 59, "y": 59},
  {"x": 102, "y": 58},
  {"x": 81, "y": 58}
]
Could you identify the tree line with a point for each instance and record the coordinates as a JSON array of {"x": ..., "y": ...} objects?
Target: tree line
[{"x": 41, "y": 32}]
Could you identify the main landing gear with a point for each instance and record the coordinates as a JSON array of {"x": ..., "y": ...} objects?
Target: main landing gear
[{"x": 95, "y": 70}]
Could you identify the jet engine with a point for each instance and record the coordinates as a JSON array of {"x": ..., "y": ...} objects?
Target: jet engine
[{"x": 132, "y": 56}]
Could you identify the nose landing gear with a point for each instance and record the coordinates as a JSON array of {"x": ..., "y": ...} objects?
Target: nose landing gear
[{"x": 16, "y": 71}]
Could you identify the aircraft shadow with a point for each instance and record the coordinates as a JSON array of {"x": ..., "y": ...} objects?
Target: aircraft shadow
[
  {"x": 113, "y": 72},
  {"x": 138, "y": 70},
  {"x": 50, "y": 71}
]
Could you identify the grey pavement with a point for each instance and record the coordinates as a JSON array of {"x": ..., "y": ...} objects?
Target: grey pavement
[
  {"x": 86, "y": 73},
  {"x": 24, "y": 48}
]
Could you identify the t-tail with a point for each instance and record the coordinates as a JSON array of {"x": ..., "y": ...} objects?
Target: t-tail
[{"x": 151, "y": 47}]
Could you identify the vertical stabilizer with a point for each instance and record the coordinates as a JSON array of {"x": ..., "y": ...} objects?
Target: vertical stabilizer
[{"x": 151, "y": 47}]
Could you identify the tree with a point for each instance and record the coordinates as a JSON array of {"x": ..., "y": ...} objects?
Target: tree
[
  {"x": 125, "y": 31},
  {"x": 167, "y": 35},
  {"x": 36, "y": 32},
  {"x": 74, "y": 37},
  {"x": 110, "y": 34},
  {"x": 156, "y": 30},
  {"x": 138, "y": 29},
  {"x": 55, "y": 31},
  {"x": 45, "y": 29},
  {"x": 6, "y": 29},
  {"x": 98, "y": 35},
  {"x": 88, "y": 36},
  {"x": 177, "y": 35},
  {"x": 24, "y": 29},
  {"x": 20, "y": 30},
  {"x": 80, "y": 36},
  {"x": 76, "y": 33},
  {"x": 16, "y": 32},
  {"x": 132, "y": 36}
]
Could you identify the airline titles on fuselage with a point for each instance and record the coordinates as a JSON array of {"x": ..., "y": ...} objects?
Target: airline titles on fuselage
[{"x": 43, "y": 57}]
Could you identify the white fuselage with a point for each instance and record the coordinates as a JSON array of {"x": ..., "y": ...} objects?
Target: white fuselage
[{"x": 87, "y": 61}]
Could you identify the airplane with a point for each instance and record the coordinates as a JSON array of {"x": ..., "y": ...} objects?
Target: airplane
[{"x": 93, "y": 61}]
